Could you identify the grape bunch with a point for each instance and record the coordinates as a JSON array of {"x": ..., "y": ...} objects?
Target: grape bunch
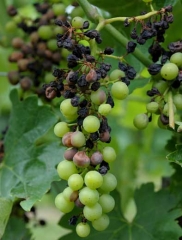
[
  {"x": 88, "y": 91},
  {"x": 35, "y": 48}
]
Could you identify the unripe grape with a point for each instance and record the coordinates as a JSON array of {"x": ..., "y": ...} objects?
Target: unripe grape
[
  {"x": 116, "y": 74},
  {"x": 80, "y": 159},
  {"x": 66, "y": 140},
  {"x": 67, "y": 109},
  {"x": 109, "y": 154},
  {"x": 96, "y": 158},
  {"x": 77, "y": 22},
  {"x": 88, "y": 197},
  {"x": 77, "y": 11},
  {"x": 165, "y": 110},
  {"x": 98, "y": 97},
  {"x": 78, "y": 139},
  {"x": 69, "y": 154},
  {"x": 152, "y": 107},
  {"x": 59, "y": 9},
  {"x": 52, "y": 44},
  {"x": 62, "y": 204},
  {"x": 141, "y": 121},
  {"x": 119, "y": 90},
  {"x": 84, "y": 43},
  {"x": 91, "y": 124},
  {"x": 82, "y": 229},
  {"x": 169, "y": 71},
  {"x": 92, "y": 212},
  {"x": 161, "y": 86},
  {"x": 101, "y": 223},
  {"x": 75, "y": 181},
  {"x": 45, "y": 32},
  {"x": 177, "y": 100},
  {"x": 69, "y": 194},
  {"x": 104, "y": 109},
  {"x": 93, "y": 179},
  {"x": 109, "y": 182},
  {"x": 107, "y": 203},
  {"x": 65, "y": 169},
  {"x": 176, "y": 58},
  {"x": 61, "y": 128}
]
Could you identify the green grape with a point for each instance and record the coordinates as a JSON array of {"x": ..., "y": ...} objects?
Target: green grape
[
  {"x": 62, "y": 204},
  {"x": 104, "y": 109},
  {"x": 48, "y": 77},
  {"x": 176, "y": 58},
  {"x": 109, "y": 183},
  {"x": 45, "y": 32},
  {"x": 11, "y": 26},
  {"x": 52, "y": 45},
  {"x": 67, "y": 109},
  {"x": 161, "y": 86},
  {"x": 141, "y": 121},
  {"x": 77, "y": 22},
  {"x": 75, "y": 181},
  {"x": 59, "y": 9},
  {"x": 91, "y": 124},
  {"x": 82, "y": 229},
  {"x": 109, "y": 154},
  {"x": 77, "y": 11},
  {"x": 93, "y": 179},
  {"x": 116, "y": 75},
  {"x": 61, "y": 128},
  {"x": 67, "y": 193},
  {"x": 78, "y": 139},
  {"x": 152, "y": 107},
  {"x": 98, "y": 97},
  {"x": 88, "y": 197},
  {"x": 92, "y": 213},
  {"x": 65, "y": 169},
  {"x": 84, "y": 43},
  {"x": 101, "y": 223},
  {"x": 119, "y": 90},
  {"x": 107, "y": 203},
  {"x": 177, "y": 100},
  {"x": 165, "y": 110},
  {"x": 169, "y": 71}
]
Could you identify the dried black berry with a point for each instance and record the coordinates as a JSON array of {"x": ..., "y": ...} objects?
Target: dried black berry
[
  {"x": 154, "y": 68},
  {"x": 108, "y": 50},
  {"x": 131, "y": 47},
  {"x": 73, "y": 220}
]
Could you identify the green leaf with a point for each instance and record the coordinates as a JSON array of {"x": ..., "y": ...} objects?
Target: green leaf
[
  {"x": 5, "y": 210},
  {"x": 28, "y": 170},
  {"x": 176, "y": 156},
  {"x": 163, "y": 3},
  {"x": 16, "y": 229},
  {"x": 155, "y": 219}
]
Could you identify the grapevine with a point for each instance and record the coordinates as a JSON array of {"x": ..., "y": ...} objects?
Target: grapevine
[{"x": 60, "y": 55}]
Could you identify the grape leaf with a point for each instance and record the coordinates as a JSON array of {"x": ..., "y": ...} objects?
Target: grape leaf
[
  {"x": 163, "y": 3},
  {"x": 5, "y": 210},
  {"x": 28, "y": 170},
  {"x": 16, "y": 228},
  {"x": 155, "y": 219},
  {"x": 176, "y": 156}
]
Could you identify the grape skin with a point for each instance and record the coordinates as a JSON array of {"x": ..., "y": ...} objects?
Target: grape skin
[
  {"x": 101, "y": 223},
  {"x": 93, "y": 179},
  {"x": 83, "y": 229}
]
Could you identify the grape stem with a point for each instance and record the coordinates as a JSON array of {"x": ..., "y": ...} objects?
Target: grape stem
[
  {"x": 94, "y": 17},
  {"x": 171, "y": 111}
]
